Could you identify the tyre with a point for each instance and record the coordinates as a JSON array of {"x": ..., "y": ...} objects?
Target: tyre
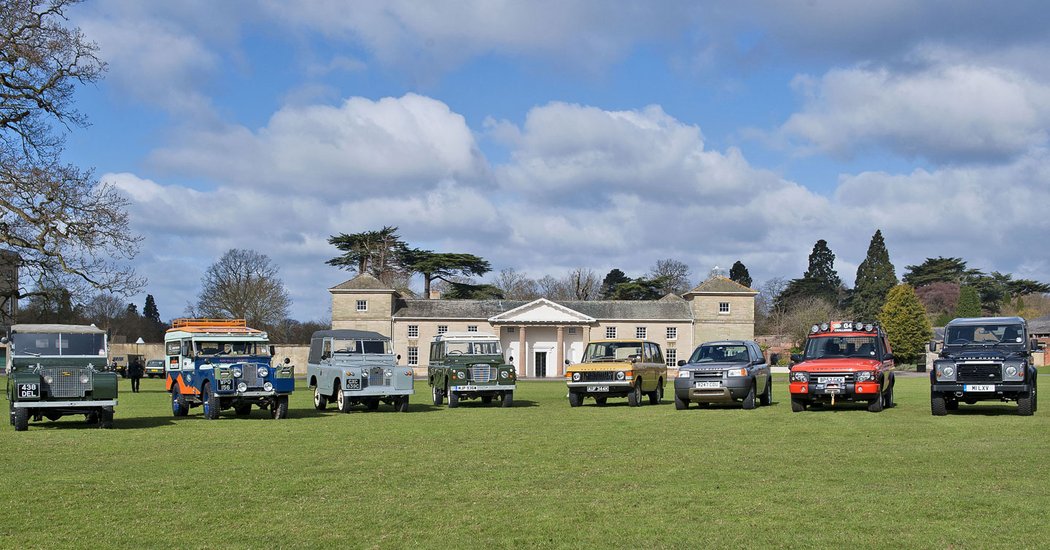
[
  {"x": 937, "y": 405},
  {"x": 341, "y": 402},
  {"x": 508, "y": 399},
  {"x": 21, "y": 420},
  {"x": 179, "y": 406},
  {"x": 888, "y": 402},
  {"x": 105, "y": 419},
  {"x": 320, "y": 401},
  {"x": 634, "y": 399},
  {"x": 372, "y": 403},
  {"x": 401, "y": 404},
  {"x": 680, "y": 404},
  {"x": 749, "y": 399},
  {"x": 657, "y": 395},
  {"x": 486, "y": 399},
  {"x": 601, "y": 401},
  {"x": 797, "y": 405},
  {"x": 242, "y": 409},
  {"x": 280, "y": 408},
  {"x": 453, "y": 400},
  {"x": 875, "y": 405},
  {"x": 1025, "y": 404},
  {"x": 436, "y": 393},
  {"x": 766, "y": 399},
  {"x": 210, "y": 401},
  {"x": 575, "y": 399},
  {"x": 91, "y": 417}
]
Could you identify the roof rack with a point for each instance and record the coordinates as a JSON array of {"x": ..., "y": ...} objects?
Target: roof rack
[{"x": 180, "y": 323}]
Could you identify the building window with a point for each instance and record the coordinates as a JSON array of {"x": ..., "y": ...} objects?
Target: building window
[
  {"x": 610, "y": 332},
  {"x": 723, "y": 307},
  {"x": 362, "y": 305},
  {"x": 639, "y": 332},
  {"x": 512, "y": 330},
  {"x": 413, "y": 355},
  {"x": 413, "y": 331},
  {"x": 472, "y": 328},
  {"x": 672, "y": 333},
  {"x": 572, "y": 330},
  {"x": 672, "y": 357},
  {"x": 442, "y": 329}
]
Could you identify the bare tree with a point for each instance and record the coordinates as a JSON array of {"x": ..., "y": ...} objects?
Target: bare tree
[
  {"x": 796, "y": 320},
  {"x": 244, "y": 284},
  {"x": 515, "y": 285},
  {"x": 66, "y": 227},
  {"x": 673, "y": 275},
  {"x": 583, "y": 284},
  {"x": 105, "y": 310},
  {"x": 553, "y": 288}
]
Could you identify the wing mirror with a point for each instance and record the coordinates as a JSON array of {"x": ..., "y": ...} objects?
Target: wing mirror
[
  {"x": 796, "y": 358},
  {"x": 681, "y": 362},
  {"x": 273, "y": 351},
  {"x": 933, "y": 346},
  {"x": 634, "y": 358}
]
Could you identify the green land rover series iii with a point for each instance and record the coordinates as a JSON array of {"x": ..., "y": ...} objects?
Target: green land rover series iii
[{"x": 469, "y": 365}]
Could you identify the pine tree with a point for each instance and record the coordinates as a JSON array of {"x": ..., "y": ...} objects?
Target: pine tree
[
  {"x": 739, "y": 274},
  {"x": 969, "y": 302},
  {"x": 875, "y": 278},
  {"x": 906, "y": 324},
  {"x": 613, "y": 279},
  {"x": 819, "y": 281},
  {"x": 822, "y": 266},
  {"x": 149, "y": 310}
]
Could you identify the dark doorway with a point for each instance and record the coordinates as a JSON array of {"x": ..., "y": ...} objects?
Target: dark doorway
[{"x": 541, "y": 364}]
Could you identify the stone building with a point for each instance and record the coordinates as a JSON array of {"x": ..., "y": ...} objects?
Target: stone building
[{"x": 538, "y": 336}]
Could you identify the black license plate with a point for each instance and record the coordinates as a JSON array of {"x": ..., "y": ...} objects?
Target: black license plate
[
  {"x": 353, "y": 383},
  {"x": 225, "y": 385},
  {"x": 28, "y": 390}
]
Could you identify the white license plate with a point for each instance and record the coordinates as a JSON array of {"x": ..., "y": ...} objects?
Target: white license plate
[
  {"x": 831, "y": 380},
  {"x": 597, "y": 388},
  {"x": 707, "y": 385},
  {"x": 978, "y": 387}
]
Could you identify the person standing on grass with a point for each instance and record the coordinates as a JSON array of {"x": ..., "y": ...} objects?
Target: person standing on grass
[{"x": 135, "y": 372}]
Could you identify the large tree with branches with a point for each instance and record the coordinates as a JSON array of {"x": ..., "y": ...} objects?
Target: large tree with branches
[{"x": 66, "y": 228}]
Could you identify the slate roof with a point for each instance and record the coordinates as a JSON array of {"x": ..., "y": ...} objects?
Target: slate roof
[
  {"x": 721, "y": 285},
  {"x": 363, "y": 281},
  {"x": 600, "y": 309},
  {"x": 1039, "y": 325}
]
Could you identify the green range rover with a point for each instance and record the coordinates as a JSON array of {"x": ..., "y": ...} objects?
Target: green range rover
[{"x": 56, "y": 371}]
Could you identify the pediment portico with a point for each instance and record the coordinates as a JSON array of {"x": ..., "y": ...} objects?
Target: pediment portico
[
  {"x": 544, "y": 316},
  {"x": 542, "y": 312}
]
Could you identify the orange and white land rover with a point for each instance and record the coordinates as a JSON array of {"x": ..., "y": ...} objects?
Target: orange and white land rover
[{"x": 843, "y": 361}]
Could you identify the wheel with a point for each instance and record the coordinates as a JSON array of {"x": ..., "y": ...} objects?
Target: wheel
[
  {"x": 280, "y": 408},
  {"x": 105, "y": 419},
  {"x": 372, "y": 404},
  {"x": 508, "y": 399},
  {"x": 436, "y": 393},
  {"x": 210, "y": 401},
  {"x": 91, "y": 417},
  {"x": 242, "y": 409},
  {"x": 575, "y": 399},
  {"x": 656, "y": 395},
  {"x": 320, "y": 401},
  {"x": 875, "y": 405},
  {"x": 797, "y": 405},
  {"x": 937, "y": 405},
  {"x": 749, "y": 399},
  {"x": 888, "y": 398},
  {"x": 1025, "y": 403},
  {"x": 21, "y": 420},
  {"x": 179, "y": 406},
  {"x": 680, "y": 404},
  {"x": 634, "y": 398},
  {"x": 401, "y": 404},
  {"x": 341, "y": 402},
  {"x": 486, "y": 399},
  {"x": 766, "y": 399},
  {"x": 453, "y": 400}
]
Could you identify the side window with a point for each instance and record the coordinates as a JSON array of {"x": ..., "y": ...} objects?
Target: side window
[
  {"x": 187, "y": 348},
  {"x": 315, "y": 351},
  {"x": 756, "y": 353},
  {"x": 326, "y": 349},
  {"x": 657, "y": 356}
]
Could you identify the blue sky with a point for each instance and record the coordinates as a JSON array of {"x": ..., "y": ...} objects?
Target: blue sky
[{"x": 545, "y": 136}]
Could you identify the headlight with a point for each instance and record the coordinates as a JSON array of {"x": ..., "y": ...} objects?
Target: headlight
[
  {"x": 684, "y": 373},
  {"x": 49, "y": 379},
  {"x": 263, "y": 371},
  {"x": 388, "y": 373},
  {"x": 84, "y": 379},
  {"x": 505, "y": 374},
  {"x": 620, "y": 375},
  {"x": 945, "y": 370},
  {"x": 1015, "y": 371},
  {"x": 865, "y": 376},
  {"x": 736, "y": 372},
  {"x": 575, "y": 377},
  {"x": 237, "y": 372},
  {"x": 799, "y": 376},
  {"x": 462, "y": 375},
  {"x": 267, "y": 386},
  {"x": 242, "y": 387}
]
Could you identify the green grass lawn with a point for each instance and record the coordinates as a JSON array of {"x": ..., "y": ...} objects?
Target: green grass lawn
[{"x": 539, "y": 474}]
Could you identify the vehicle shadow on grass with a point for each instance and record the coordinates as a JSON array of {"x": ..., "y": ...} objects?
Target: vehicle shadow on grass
[
  {"x": 985, "y": 410},
  {"x": 477, "y": 404},
  {"x": 136, "y": 423}
]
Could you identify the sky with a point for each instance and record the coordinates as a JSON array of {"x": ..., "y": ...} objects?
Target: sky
[{"x": 549, "y": 135}]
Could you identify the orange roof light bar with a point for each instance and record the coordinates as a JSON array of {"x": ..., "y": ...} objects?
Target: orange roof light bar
[{"x": 180, "y": 323}]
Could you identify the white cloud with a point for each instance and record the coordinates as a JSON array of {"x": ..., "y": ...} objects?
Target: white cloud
[{"x": 953, "y": 112}]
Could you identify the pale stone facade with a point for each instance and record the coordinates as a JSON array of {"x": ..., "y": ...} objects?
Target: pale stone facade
[{"x": 539, "y": 336}]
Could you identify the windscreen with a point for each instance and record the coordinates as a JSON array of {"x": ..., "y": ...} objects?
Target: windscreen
[
  {"x": 612, "y": 351},
  {"x": 229, "y": 348},
  {"x": 361, "y": 346},
  {"x": 841, "y": 346},
  {"x": 992, "y": 333},
  {"x": 490, "y": 347},
  {"x": 37, "y": 344},
  {"x": 720, "y": 354}
]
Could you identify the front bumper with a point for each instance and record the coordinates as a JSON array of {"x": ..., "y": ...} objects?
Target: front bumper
[
  {"x": 619, "y": 387},
  {"x": 376, "y": 391},
  {"x": 849, "y": 391},
  {"x": 64, "y": 404},
  {"x": 970, "y": 389},
  {"x": 730, "y": 389},
  {"x": 473, "y": 388}
]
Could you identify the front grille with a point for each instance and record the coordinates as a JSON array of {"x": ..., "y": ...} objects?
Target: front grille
[
  {"x": 376, "y": 378},
  {"x": 65, "y": 382},
  {"x": 707, "y": 375},
  {"x": 250, "y": 375},
  {"x": 980, "y": 372},
  {"x": 482, "y": 373},
  {"x": 598, "y": 376}
]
